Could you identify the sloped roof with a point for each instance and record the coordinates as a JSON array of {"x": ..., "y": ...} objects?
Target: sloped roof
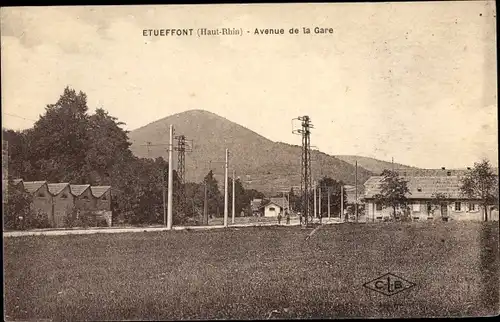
[
  {"x": 78, "y": 189},
  {"x": 282, "y": 202},
  {"x": 421, "y": 187},
  {"x": 16, "y": 181},
  {"x": 56, "y": 188},
  {"x": 98, "y": 191},
  {"x": 33, "y": 186},
  {"x": 436, "y": 172}
]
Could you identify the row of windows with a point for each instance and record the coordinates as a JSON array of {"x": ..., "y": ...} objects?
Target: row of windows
[{"x": 457, "y": 207}]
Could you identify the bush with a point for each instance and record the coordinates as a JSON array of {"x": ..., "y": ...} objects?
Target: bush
[
  {"x": 84, "y": 219},
  {"x": 39, "y": 219},
  {"x": 18, "y": 214}
]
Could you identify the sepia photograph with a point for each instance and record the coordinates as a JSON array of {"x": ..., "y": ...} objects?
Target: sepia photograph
[{"x": 250, "y": 161}]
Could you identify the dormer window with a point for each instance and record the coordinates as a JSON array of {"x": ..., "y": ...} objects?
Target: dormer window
[
  {"x": 64, "y": 196},
  {"x": 41, "y": 195},
  {"x": 419, "y": 189},
  {"x": 104, "y": 197},
  {"x": 85, "y": 198}
]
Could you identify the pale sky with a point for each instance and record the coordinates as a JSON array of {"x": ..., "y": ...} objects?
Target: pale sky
[{"x": 413, "y": 81}]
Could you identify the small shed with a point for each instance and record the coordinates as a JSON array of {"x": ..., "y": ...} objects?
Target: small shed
[
  {"x": 83, "y": 198},
  {"x": 42, "y": 198},
  {"x": 272, "y": 209},
  {"x": 102, "y": 200},
  {"x": 102, "y": 195},
  {"x": 62, "y": 203}
]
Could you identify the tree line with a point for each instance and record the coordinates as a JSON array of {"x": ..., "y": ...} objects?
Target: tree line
[{"x": 67, "y": 144}]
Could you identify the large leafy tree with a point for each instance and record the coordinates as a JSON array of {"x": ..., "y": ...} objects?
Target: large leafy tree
[
  {"x": 18, "y": 157},
  {"x": 240, "y": 199},
  {"x": 68, "y": 145},
  {"x": 60, "y": 139},
  {"x": 215, "y": 199},
  {"x": 482, "y": 184},
  {"x": 393, "y": 191},
  {"x": 108, "y": 147}
]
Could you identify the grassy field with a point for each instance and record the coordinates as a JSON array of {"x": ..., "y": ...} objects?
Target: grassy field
[{"x": 246, "y": 273}]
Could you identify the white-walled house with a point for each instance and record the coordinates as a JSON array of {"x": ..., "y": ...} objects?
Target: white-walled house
[
  {"x": 272, "y": 210},
  {"x": 422, "y": 202}
]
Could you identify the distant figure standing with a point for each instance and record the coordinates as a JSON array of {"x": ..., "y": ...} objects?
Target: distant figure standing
[
  {"x": 287, "y": 218},
  {"x": 279, "y": 218},
  {"x": 300, "y": 218}
]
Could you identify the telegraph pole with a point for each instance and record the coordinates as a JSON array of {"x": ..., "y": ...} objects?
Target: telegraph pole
[
  {"x": 305, "y": 182},
  {"x": 183, "y": 146},
  {"x": 226, "y": 189},
  {"x": 170, "y": 178},
  {"x": 233, "y": 208}
]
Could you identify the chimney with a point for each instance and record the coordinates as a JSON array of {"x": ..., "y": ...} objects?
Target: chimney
[
  {"x": 468, "y": 168},
  {"x": 443, "y": 168},
  {"x": 448, "y": 173}
]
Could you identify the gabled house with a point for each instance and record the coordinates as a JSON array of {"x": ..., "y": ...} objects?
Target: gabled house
[
  {"x": 42, "y": 198},
  {"x": 59, "y": 200},
  {"x": 83, "y": 198},
  {"x": 102, "y": 195},
  {"x": 102, "y": 202},
  {"x": 62, "y": 203},
  {"x": 424, "y": 203},
  {"x": 275, "y": 207}
]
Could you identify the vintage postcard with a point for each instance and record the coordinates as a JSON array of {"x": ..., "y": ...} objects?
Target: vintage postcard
[{"x": 250, "y": 161}]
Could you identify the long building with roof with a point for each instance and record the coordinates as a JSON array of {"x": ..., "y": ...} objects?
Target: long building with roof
[
  {"x": 61, "y": 200},
  {"x": 430, "y": 197}
]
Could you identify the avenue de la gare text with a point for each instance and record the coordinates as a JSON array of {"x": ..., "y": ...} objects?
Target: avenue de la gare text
[{"x": 234, "y": 31}]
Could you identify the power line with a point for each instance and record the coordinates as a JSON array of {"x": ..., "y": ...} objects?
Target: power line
[{"x": 24, "y": 118}]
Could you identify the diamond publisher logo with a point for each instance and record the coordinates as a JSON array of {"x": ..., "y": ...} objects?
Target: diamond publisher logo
[{"x": 389, "y": 284}]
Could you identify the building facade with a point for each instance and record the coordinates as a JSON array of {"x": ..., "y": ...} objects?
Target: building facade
[
  {"x": 430, "y": 198},
  {"x": 62, "y": 203},
  {"x": 60, "y": 200}
]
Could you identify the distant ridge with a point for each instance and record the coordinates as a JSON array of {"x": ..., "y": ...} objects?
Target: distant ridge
[
  {"x": 260, "y": 163},
  {"x": 371, "y": 164}
]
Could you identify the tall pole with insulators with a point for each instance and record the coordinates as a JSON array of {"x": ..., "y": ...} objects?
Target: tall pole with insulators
[
  {"x": 356, "y": 189},
  {"x": 226, "y": 189},
  {"x": 182, "y": 147},
  {"x": 305, "y": 182},
  {"x": 233, "y": 210},
  {"x": 170, "y": 178}
]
